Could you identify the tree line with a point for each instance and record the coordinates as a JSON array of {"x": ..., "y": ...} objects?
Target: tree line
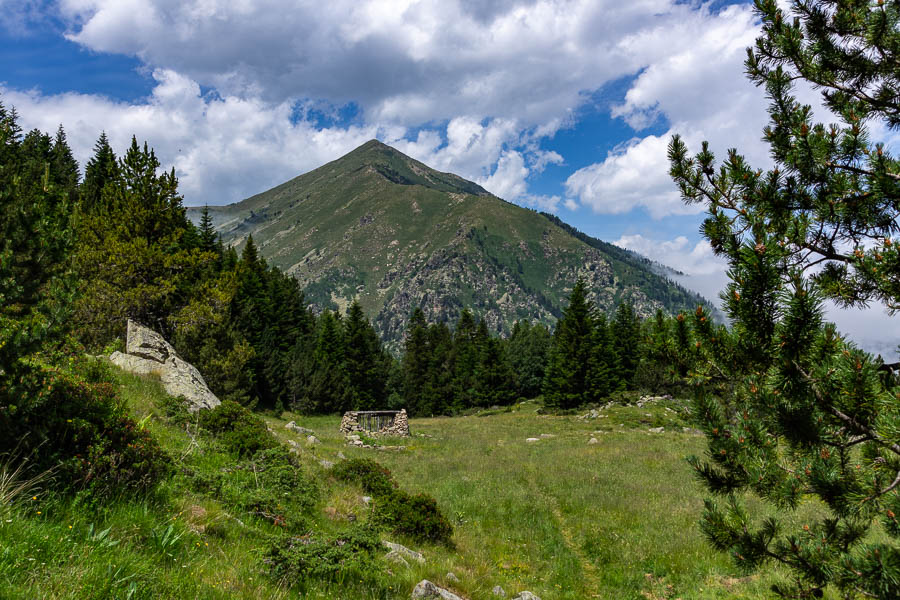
[{"x": 130, "y": 251}]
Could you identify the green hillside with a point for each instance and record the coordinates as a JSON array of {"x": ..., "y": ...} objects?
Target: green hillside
[{"x": 381, "y": 227}]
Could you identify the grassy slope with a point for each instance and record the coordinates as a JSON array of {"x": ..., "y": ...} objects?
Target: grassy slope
[{"x": 559, "y": 517}]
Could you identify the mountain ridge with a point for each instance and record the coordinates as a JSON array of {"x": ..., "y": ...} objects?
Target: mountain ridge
[{"x": 378, "y": 226}]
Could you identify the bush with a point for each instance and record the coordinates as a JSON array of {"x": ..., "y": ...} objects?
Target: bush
[
  {"x": 238, "y": 429},
  {"x": 270, "y": 486},
  {"x": 82, "y": 432},
  {"x": 417, "y": 517},
  {"x": 374, "y": 478},
  {"x": 348, "y": 556}
]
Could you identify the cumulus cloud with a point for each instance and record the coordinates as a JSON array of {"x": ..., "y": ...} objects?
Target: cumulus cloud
[
  {"x": 699, "y": 89},
  {"x": 223, "y": 148},
  {"x": 482, "y": 84}
]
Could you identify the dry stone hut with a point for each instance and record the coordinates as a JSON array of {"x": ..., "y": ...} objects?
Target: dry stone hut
[{"x": 377, "y": 422}]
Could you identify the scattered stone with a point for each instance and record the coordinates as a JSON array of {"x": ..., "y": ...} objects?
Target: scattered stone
[
  {"x": 292, "y": 443},
  {"x": 526, "y": 596},
  {"x": 425, "y": 590},
  {"x": 452, "y": 577},
  {"x": 395, "y": 557},
  {"x": 499, "y": 591},
  {"x": 297, "y": 429},
  {"x": 545, "y": 436},
  {"x": 406, "y": 552},
  {"x": 593, "y": 414},
  {"x": 341, "y": 456},
  {"x": 326, "y": 464},
  {"x": 147, "y": 352},
  {"x": 366, "y": 500},
  {"x": 593, "y": 441},
  {"x": 532, "y": 439},
  {"x": 656, "y": 429},
  {"x": 311, "y": 440}
]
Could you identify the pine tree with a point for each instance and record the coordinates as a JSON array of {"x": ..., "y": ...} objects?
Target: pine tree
[
  {"x": 208, "y": 235},
  {"x": 625, "y": 335},
  {"x": 35, "y": 240},
  {"x": 416, "y": 362},
  {"x": 101, "y": 169},
  {"x": 807, "y": 415},
  {"x": 63, "y": 164},
  {"x": 566, "y": 382},
  {"x": 364, "y": 362},
  {"x": 527, "y": 348}
]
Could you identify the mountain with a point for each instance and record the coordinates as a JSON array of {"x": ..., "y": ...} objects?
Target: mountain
[{"x": 381, "y": 227}]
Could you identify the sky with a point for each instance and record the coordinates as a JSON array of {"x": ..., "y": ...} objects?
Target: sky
[{"x": 565, "y": 106}]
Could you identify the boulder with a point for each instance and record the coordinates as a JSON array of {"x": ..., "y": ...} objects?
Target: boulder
[
  {"x": 147, "y": 353},
  {"x": 406, "y": 552},
  {"x": 425, "y": 590},
  {"x": 297, "y": 429},
  {"x": 395, "y": 557}
]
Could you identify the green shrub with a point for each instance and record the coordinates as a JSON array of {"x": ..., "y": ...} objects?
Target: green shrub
[
  {"x": 417, "y": 517},
  {"x": 348, "y": 556},
  {"x": 270, "y": 486},
  {"x": 238, "y": 429},
  {"x": 82, "y": 432},
  {"x": 374, "y": 478}
]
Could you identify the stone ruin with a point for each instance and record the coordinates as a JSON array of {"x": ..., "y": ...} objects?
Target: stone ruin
[{"x": 376, "y": 422}]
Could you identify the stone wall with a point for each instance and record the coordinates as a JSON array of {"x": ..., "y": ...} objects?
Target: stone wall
[{"x": 376, "y": 422}]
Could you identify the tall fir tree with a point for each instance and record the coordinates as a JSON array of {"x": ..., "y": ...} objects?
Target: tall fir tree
[
  {"x": 101, "y": 169},
  {"x": 566, "y": 382}
]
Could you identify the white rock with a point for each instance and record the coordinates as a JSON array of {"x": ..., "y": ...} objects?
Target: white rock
[
  {"x": 526, "y": 596},
  {"x": 545, "y": 436},
  {"x": 425, "y": 590},
  {"x": 147, "y": 353},
  {"x": 593, "y": 441},
  {"x": 406, "y": 552},
  {"x": 312, "y": 440},
  {"x": 533, "y": 439},
  {"x": 450, "y": 576},
  {"x": 499, "y": 591},
  {"x": 656, "y": 429}
]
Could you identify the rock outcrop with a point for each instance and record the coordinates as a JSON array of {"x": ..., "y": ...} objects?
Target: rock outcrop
[{"x": 148, "y": 353}]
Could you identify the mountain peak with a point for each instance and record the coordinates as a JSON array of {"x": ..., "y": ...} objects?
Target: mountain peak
[{"x": 401, "y": 169}]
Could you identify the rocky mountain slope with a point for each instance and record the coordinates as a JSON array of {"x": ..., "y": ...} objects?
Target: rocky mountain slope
[{"x": 381, "y": 227}]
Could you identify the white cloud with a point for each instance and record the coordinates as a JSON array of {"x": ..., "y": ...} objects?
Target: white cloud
[
  {"x": 223, "y": 149},
  {"x": 700, "y": 89},
  {"x": 633, "y": 175}
]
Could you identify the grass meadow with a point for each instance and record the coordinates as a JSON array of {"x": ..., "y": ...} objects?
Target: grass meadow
[{"x": 560, "y": 517}]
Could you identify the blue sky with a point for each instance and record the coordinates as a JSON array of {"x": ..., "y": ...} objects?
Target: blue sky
[{"x": 559, "y": 105}]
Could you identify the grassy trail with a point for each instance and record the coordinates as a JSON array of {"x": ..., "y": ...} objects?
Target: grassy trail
[{"x": 590, "y": 578}]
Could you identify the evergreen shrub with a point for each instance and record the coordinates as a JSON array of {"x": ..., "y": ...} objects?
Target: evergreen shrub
[
  {"x": 238, "y": 429},
  {"x": 81, "y": 431},
  {"x": 374, "y": 478},
  {"x": 344, "y": 557},
  {"x": 270, "y": 486},
  {"x": 415, "y": 516}
]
